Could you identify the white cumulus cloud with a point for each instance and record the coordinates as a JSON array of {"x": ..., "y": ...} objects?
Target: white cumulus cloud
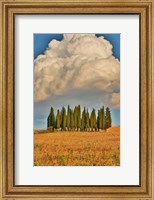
[{"x": 78, "y": 62}]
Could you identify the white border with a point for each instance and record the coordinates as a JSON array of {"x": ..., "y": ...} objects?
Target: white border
[{"x": 128, "y": 172}]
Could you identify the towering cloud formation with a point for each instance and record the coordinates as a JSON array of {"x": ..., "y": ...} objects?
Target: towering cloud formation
[{"x": 78, "y": 62}]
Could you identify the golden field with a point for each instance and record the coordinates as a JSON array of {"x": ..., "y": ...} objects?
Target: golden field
[{"x": 78, "y": 148}]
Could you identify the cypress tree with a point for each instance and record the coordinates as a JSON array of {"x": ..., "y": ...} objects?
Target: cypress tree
[
  {"x": 48, "y": 121},
  {"x": 58, "y": 120},
  {"x": 94, "y": 118},
  {"x": 104, "y": 120},
  {"x": 72, "y": 119},
  {"x": 63, "y": 117},
  {"x": 108, "y": 120},
  {"x": 52, "y": 118},
  {"x": 75, "y": 117},
  {"x": 87, "y": 120},
  {"x": 78, "y": 117},
  {"x": 83, "y": 122},
  {"x": 68, "y": 117},
  {"x": 101, "y": 119},
  {"x": 93, "y": 122},
  {"x": 98, "y": 119}
]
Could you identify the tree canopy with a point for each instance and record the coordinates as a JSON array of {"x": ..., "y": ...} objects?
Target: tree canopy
[{"x": 75, "y": 120}]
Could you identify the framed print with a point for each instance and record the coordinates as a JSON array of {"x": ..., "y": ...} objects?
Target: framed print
[{"x": 76, "y": 99}]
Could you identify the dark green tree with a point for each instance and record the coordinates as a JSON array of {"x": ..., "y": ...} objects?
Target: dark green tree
[
  {"x": 52, "y": 118},
  {"x": 68, "y": 117},
  {"x": 108, "y": 120},
  {"x": 94, "y": 117},
  {"x": 75, "y": 117},
  {"x": 63, "y": 118},
  {"x": 78, "y": 117},
  {"x": 102, "y": 118},
  {"x": 83, "y": 121},
  {"x": 72, "y": 119},
  {"x": 93, "y": 122},
  {"x": 48, "y": 121},
  {"x": 104, "y": 121},
  {"x": 58, "y": 120},
  {"x": 87, "y": 120},
  {"x": 98, "y": 119}
]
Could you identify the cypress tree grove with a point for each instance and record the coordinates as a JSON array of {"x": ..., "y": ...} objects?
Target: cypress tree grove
[{"x": 72, "y": 120}]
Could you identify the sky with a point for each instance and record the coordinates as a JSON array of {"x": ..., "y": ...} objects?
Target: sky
[
  {"x": 41, "y": 42},
  {"x": 76, "y": 69}
]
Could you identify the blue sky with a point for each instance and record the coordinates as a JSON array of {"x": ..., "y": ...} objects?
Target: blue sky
[{"x": 41, "y": 108}]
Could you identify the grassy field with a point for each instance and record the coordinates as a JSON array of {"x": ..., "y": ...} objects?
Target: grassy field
[{"x": 78, "y": 148}]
